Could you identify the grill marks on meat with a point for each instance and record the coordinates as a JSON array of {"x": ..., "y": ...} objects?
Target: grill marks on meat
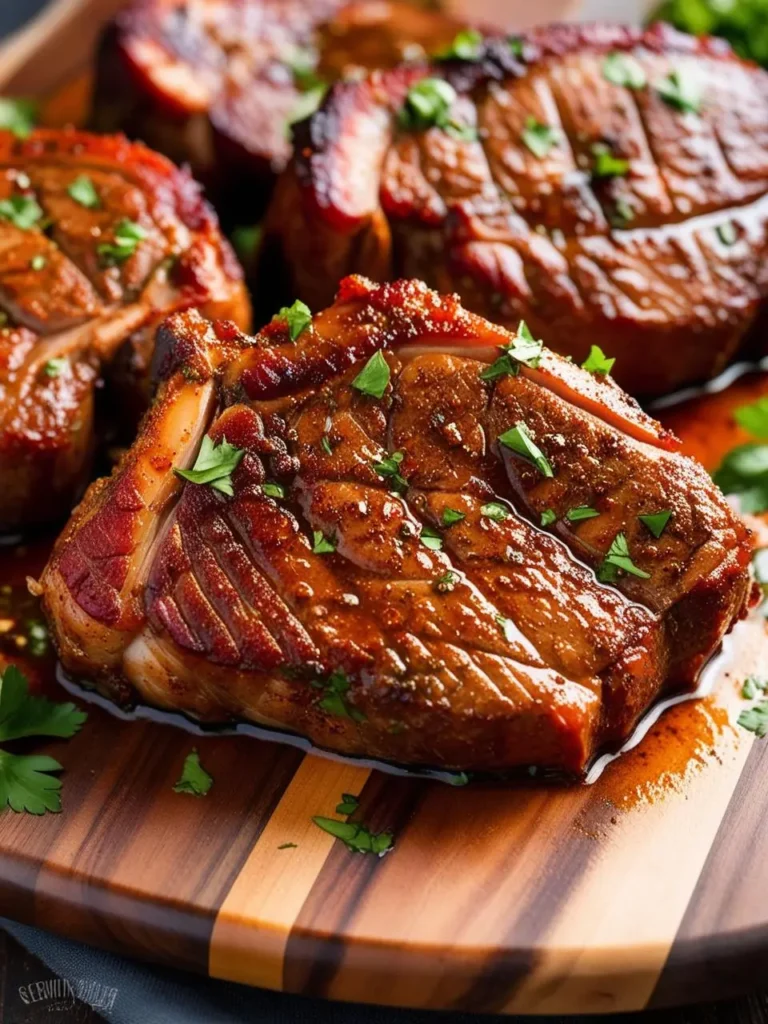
[
  {"x": 670, "y": 292},
  {"x": 64, "y": 301},
  {"x": 500, "y": 649},
  {"x": 213, "y": 83}
]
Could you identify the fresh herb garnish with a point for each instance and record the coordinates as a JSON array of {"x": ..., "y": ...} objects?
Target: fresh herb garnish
[
  {"x": 389, "y": 468},
  {"x": 194, "y": 779},
  {"x": 597, "y": 362},
  {"x": 744, "y": 471},
  {"x": 348, "y": 805},
  {"x": 55, "y": 367},
  {"x": 753, "y": 685},
  {"x": 447, "y": 582},
  {"x": 518, "y": 439},
  {"x": 539, "y": 137},
  {"x": 428, "y": 104},
  {"x": 303, "y": 63},
  {"x": 727, "y": 233},
  {"x": 756, "y": 719},
  {"x": 357, "y": 838},
  {"x": 516, "y": 45},
  {"x": 334, "y": 697},
  {"x": 325, "y": 444},
  {"x": 548, "y": 516},
  {"x": 431, "y": 538},
  {"x": 656, "y": 521},
  {"x": 466, "y": 45},
  {"x": 273, "y": 490},
  {"x": 38, "y": 262},
  {"x": 457, "y": 779},
  {"x": 575, "y": 515},
  {"x": 307, "y": 103},
  {"x": 374, "y": 376},
  {"x": 524, "y": 350},
  {"x": 617, "y": 557},
  {"x": 83, "y": 191},
  {"x": 25, "y": 784},
  {"x": 605, "y": 164},
  {"x": 245, "y": 239},
  {"x": 214, "y": 465},
  {"x": 452, "y": 516},
  {"x": 623, "y": 213},
  {"x": 298, "y": 317},
  {"x": 22, "y": 211},
  {"x": 494, "y": 510},
  {"x": 754, "y": 417},
  {"x": 18, "y": 116},
  {"x": 127, "y": 235},
  {"x": 623, "y": 69},
  {"x": 682, "y": 89},
  {"x": 322, "y": 545}
]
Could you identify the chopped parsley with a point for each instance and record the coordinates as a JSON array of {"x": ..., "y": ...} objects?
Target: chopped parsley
[
  {"x": 466, "y": 45},
  {"x": 325, "y": 444},
  {"x": 55, "y": 367},
  {"x": 374, "y": 376},
  {"x": 83, "y": 191},
  {"x": 335, "y": 690},
  {"x": 755, "y": 719},
  {"x": 18, "y": 116},
  {"x": 431, "y": 539},
  {"x": 727, "y": 233},
  {"x": 322, "y": 545},
  {"x": 617, "y": 558},
  {"x": 22, "y": 211},
  {"x": 303, "y": 64},
  {"x": 656, "y": 521},
  {"x": 518, "y": 439},
  {"x": 25, "y": 780},
  {"x": 356, "y": 837},
  {"x": 494, "y": 510},
  {"x": 452, "y": 516},
  {"x": 389, "y": 468},
  {"x": 605, "y": 164},
  {"x": 127, "y": 235},
  {"x": 516, "y": 45},
  {"x": 214, "y": 465},
  {"x": 307, "y": 103},
  {"x": 575, "y": 515},
  {"x": 298, "y": 317},
  {"x": 524, "y": 350},
  {"x": 753, "y": 685},
  {"x": 457, "y": 779},
  {"x": 38, "y": 262},
  {"x": 754, "y": 417},
  {"x": 682, "y": 89},
  {"x": 623, "y": 213},
  {"x": 447, "y": 582},
  {"x": 623, "y": 69},
  {"x": 597, "y": 362},
  {"x": 548, "y": 516},
  {"x": 744, "y": 470},
  {"x": 273, "y": 490},
  {"x": 428, "y": 104},
  {"x": 539, "y": 137},
  {"x": 348, "y": 805},
  {"x": 194, "y": 779}
]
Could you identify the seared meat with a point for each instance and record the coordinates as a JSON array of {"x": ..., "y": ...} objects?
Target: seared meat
[
  {"x": 216, "y": 83},
  {"x": 631, "y": 216},
  {"x": 99, "y": 240},
  {"x": 375, "y": 575}
]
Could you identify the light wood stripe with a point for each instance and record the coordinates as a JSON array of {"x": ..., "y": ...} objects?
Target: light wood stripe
[{"x": 253, "y": 924}]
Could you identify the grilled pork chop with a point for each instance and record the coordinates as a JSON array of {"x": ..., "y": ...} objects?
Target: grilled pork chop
[
  {"x": 607, "y": 185},
  {"x": 216, "y": 83},
  {"x": 99, "y": 240},
  {"x": 367, "y": 564}
]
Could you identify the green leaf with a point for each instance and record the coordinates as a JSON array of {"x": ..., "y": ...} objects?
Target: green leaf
[
  {"x": 23, "y": 715},
  {"x": 298, "y": 318},
  {"x": 83, "y": 191},
  {"x": 575, "y": 515},
  {"x": 431, "y": 538},
  {"x": 322, "y": 545},
  {"x": 624, "y": 69},
  {"x": 519, "y": 440},
  {"x": 605, "y": 164},
  {"x": 55, "y": 367},
  {"x": 246, "y": 239},
  {"x": 517, "y": 46},
  {"x": 452, "y": 516},
  {"x": 273, "y": 490},
  {"x": 597, "y": 362},
  {"x": 548, "y": 516},
  {"x": 214, "y": 465},
  {"x": 617, "y": 557},
  {"x": 756, "y": 719},
  {"x": 539, "y": 137},
  {"x": 495, "y": 510},
  {"x": 22, "y": 211},
  {"x": 466, "y": 45},
  {"x": 457, "y": 779},
  {"x": 727, "y": 233},
  {"x": 447, "y": 582},
  {"x": 356, "y": 837},
  {"x": 194, "y": 779},
  {"x": 334, "y": 700},
  {"x": 623, "y": 214},
  {"x": 38, "y": 262},
  {"x": 754, "y": 417},
  {"x": 348, "y": 805},
  {"x": 389, "y": 468},
  {"x": 682, "y": 89},
  {"x": 744, "y": 472},
  {"x": 18, "y": 116},
  {"x": 427, "y": 104},
  {"x": 303, "y": 63},
  {"x": 27, "y": 786},
  {"x": 127, "y": 235},
  {"x": 325, "y": 444},
  {"x": 656, "y": 521},
  {"x": 374, "y": 376},
  {"x": 307, "y": 103},
  {"x": 524, "y": 350}
]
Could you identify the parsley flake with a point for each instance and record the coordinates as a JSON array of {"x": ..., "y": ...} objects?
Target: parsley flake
[
  {"x": 597, "y": 362},
  {"x": 495, "y": 510},
  {"x": 451, "y": 516},
  {"x": 325, "y": 444},
  {"x": 447, "y": 582},
  {"x": 524, "y": 350},
  {"x": 623, "y": 213},
  {"x": 466, "y": 45},
  {"x": 539, "y": 137},
  {"x": 334, "y": 700},
  {"x": 273, "y": 490},
  {"x": 22, "y": 211},
  {"x": 428, "y": 104},
  {"x": 517, "y": 46},
  {"x": 518, "y": 439},
  {"x": 322, "y": 545},
  {"x": 389, "y": 468},
  {"x": 656, "y": 521},
  {"x": 357, "y": 838},
  {"x": 682, "y": 89},
  {"x": 374, "y": 376},
  {"x": 214, "y": 465},
  {"x": 246, "y": 239},
  {"x": 754, "y": 417},
  {"x": 298, "y": 317},
  {"x": 617, "y": 557},
  {"x": 753, "y": 685},
  {"x": 194, "y": 779},
  {"x": 127, "y": 235},
  {"x": 83, "y": 191},
  {"x": 623, "y": 69},
  {"x": 55, "y": 367},
  {"x": 18, "y": 116},
  {"x": 744, "y": 471},
  {"x": 431, "y": 539},
  {"x": 348, "y": 805},
  {"x": 727, "y": 233},
  {"x": 548, "y": 516},
  {"x": 575, "y": 515},
  {"x": 606, "y": 165},
  {"x": 307, "y": 103},
  {"x": 755, "y": 719}
]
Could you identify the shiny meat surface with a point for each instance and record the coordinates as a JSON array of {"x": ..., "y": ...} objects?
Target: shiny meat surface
[
  {"x": 216, "y": 83},
  {"x": 99, "y": 240},
  {"x": 379, "y": 579},
  {"x": 632, "y": 216}
]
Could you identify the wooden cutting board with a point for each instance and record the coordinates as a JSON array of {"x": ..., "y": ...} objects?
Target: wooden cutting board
[{"x": 648, "y": 888}]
